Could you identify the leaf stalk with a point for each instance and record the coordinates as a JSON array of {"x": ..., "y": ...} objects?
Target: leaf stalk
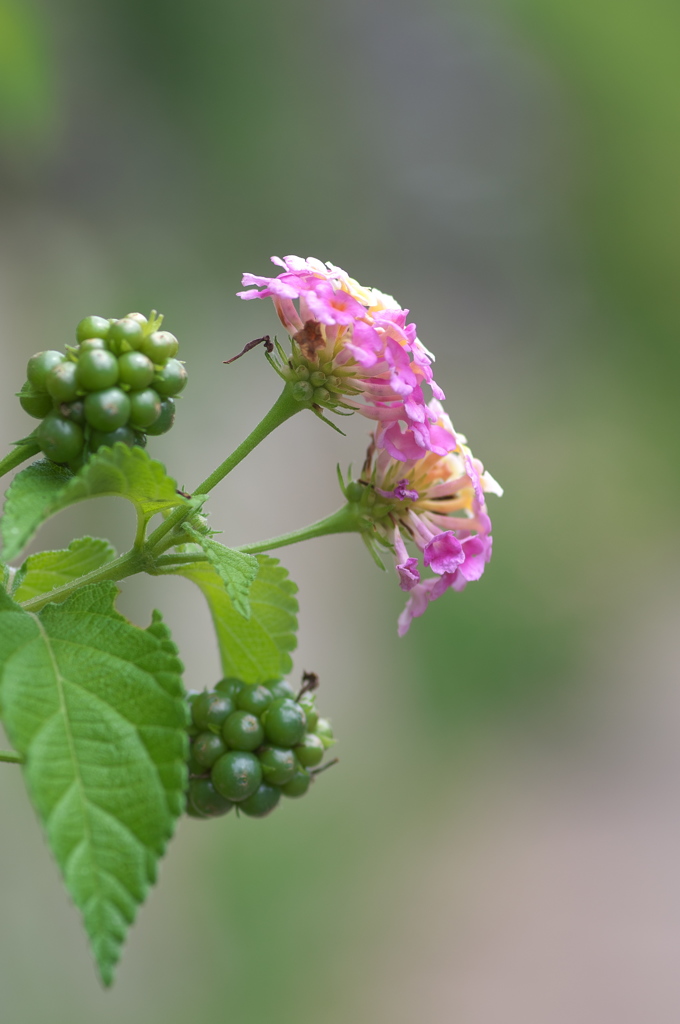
[
  {"x": 9, "y": 757},
  {"x": 23, "y": 451},
  {"x": 129, "y": 564}
]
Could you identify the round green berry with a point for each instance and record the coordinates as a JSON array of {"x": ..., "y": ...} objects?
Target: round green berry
[
  {"x": 61, "y": 381},
  {"x": 107, "y": 439},
  {"x": 205, "y": 799},
  {"x": 242, "y": 731},
  {"x": 284, "y": 722},
  {"x": 193, "y": 767},
  {"x": 209, "y": 710},
  {"x": 75, "y": 465},
  {"x": 170, "y": 379},
  {"x": 311, "y": 714},
  {"x": 278, "y": 765},
  {"x": 298, "y": 785},
  {"x": 59, "y": 439},
  {"x": 160, "y": 346},
  {"x": 165, "y": 419},
  {"x": 254, "y": 699},
  {"x": 280, "y": 688},
  {"x": 97, "y": 369},
  {"x": 35, "y": 404},
  {"x": 89, "y": 344},
  {"x": 237, "y": 775},
  {"x": 262, "y": 802},
  {"x": 137, "y": 317},
  {"x": 107, "y": 410},
  {"x": 230, "y": 687},
  {"x": 310, "y": 751},
  {"x": 39, "y": 366},
  {"x": 74, "y": 411},
  {"x": 135, "y": 370},
  {"x": 145, "y": 407},
  {"x": 191, "y": 811},
  {"x": 93, "y": 327},
  {"x": 324, "y": 732},
  {"x": 197, "y": 703},
  {"x": 125, "y": 335},
  {"x": 206, "y": 749}
]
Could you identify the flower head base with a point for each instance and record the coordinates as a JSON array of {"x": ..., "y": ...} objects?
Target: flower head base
[
  {"x": 353, "y": 351},
  {"x": 438, "y": 503}
]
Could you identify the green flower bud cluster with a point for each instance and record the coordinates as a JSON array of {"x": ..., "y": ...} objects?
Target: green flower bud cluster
[
  {"x": 316, "y": 385},
  {"x": 250, "y": 744},
  {"x": 118, "y": 383}
]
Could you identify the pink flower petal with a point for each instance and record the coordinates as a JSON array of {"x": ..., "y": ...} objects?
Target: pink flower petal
[
  {"x": 415, "y": 606},
  {"x": 444, "y": 553}
]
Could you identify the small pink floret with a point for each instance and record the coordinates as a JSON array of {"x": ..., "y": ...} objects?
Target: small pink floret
[
  {"x": 409, "y": 574},
  {"x": 360, "y": 331},
  {"x": 444, "y": 553}
]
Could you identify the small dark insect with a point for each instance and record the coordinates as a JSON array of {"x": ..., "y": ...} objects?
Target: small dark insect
[
  {"x": 310, "y": 338},
  {"x": 252, "y": 344}
]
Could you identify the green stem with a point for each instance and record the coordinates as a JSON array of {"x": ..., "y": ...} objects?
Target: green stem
[
  {"x": 346, "y": 520},
  {"x": 126, "y": 565},
  {"x": 170, "y": 542},
  {"x": 169, "y": 561},
  {"x": 283, "y": 408},
  {"x": 9, "y": 757},
  {"x": 154, "y": 539},
  {"x": 17, "y": 456},
  {"x": 140, "y": 532}
]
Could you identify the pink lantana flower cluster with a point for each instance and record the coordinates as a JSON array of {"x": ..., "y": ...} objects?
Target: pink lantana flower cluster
[
  {"x": 438, "y": 503},
  {"x": 353, "y": 350}
]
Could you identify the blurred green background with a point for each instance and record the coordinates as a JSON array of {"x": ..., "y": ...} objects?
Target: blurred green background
[{"x": 500, "y": 841}]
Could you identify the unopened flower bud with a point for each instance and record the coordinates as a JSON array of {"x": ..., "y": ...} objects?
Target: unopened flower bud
[
  {"x": 317, "y": 378},
  {"x": 321, "y": 395},
  {"x": 302, "y": 391},
  {"x": 302, "y": 372}
]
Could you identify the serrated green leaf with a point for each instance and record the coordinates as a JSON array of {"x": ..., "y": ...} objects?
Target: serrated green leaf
[
  {"x": 44, "y": 488},
  {"x": 46, "y": 570},
  {"x": 29, "y": 497},
  {"x": 236, "y": 569},
  {"x": 95, "y": 705},
  {"x": 255, "y": 649}
]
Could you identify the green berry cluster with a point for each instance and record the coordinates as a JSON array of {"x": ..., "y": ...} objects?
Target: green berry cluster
[
  {"x": 118, "y": 383},
  {"x": 250, "y": 744}
]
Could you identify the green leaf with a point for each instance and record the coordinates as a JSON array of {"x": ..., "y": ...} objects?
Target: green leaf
[
  {"x": 255, "y": 650},
  {"x": 44, "y": 488},
  {"x": 95, "y": 705},
  {"x": 49, "y": 569},
  {"x": 28, "y": 501},
  {"x": 236, "y": 570}
]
